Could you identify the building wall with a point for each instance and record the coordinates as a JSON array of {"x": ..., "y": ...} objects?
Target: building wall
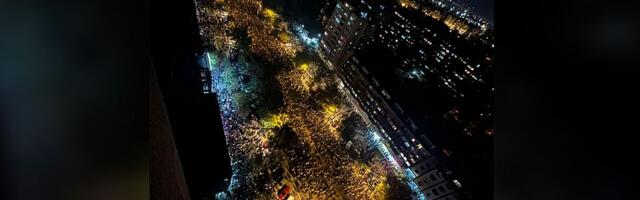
[
  {"x": 435, "y": 52},
  {"x": 440, "y": 190},
  {"x": 429, "y": 51},
  {"x": 452, "y": 196},
  {"x": 429, "y": 179},
  {"x": 423, "y": 164},
  {"x": 380, "y": 113},
  {"x": 166, "y": 178},
  {"x": 342, "y": 29}
]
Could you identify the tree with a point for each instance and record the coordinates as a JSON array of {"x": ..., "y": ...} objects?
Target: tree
[
  {"x": 283, "y": 138},
  {"x": 351, "y": 125},
  {"x": 397, "y": 189}
]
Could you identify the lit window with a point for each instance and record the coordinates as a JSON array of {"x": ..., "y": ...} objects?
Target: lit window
[{"x": 457, "y": 183}]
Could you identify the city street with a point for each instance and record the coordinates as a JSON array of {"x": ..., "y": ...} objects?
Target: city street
[{"x": 254, "y": 55}]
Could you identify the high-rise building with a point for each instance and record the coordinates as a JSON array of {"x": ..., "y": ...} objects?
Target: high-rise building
[
  {"x": 404, "y": 54},
  {"x": 326, "y": 10},
  {"x": 430, "y": 52},
  {"x": 413, "y": 152},
  {"x": 342, "y": 29},
  {"x": 453, "y": 13}
]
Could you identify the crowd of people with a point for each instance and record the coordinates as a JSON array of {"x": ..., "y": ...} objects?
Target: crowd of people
[
  {"x": 263, "y": 30},
  {"x": 325, "y": 167},
  {"x": 211, "y": 20},
  {"x": 320, "y": 162}
]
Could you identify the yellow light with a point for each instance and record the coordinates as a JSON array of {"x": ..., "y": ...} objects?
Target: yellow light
[
  {"x": 284, "y": 37},
  {"x": 270, "y": 13},
  {"x": 330, "y": 109},
  {"x": 275, "y": 121},
  {"x": 304, "y": 67}
]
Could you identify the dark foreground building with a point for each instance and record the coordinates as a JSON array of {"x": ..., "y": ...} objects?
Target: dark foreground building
[{"x": 196, "y": 135}]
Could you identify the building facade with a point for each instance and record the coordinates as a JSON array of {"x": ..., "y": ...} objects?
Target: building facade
[
  {"x": 404, "y": 50},
  {"x": 343, "y": 28},
  {"x": 405, "y": 148}
]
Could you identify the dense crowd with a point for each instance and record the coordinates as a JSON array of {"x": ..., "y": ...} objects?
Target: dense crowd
[
  {"x": 320, "y": 162},
  {"x": 325, "y": 166}
]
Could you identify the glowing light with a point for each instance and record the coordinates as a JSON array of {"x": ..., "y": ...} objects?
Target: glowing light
[
  {"x": 275, "y": 121},
  {"x": 270, "y": 13},
  {"x": 458, "y": 184},
  {"x": 330, "y": 109},
  {"x": 211, "y": 60},
  {"x": 304, "y": 67},
  {"x": 383, "y": 149},
  {"x": 412, "y": 185},
  {"x": 284, "y": 37},
  {"x": 304, "y": 36}
]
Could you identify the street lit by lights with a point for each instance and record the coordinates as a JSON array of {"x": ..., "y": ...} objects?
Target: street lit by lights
[{"x": 280, "y": 104}]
